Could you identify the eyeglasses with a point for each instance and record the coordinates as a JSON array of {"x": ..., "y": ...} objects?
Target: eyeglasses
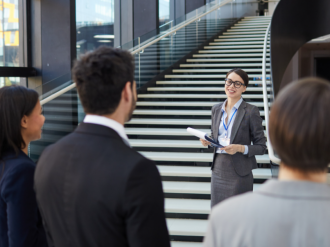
[{"x": 237, "y": 84}]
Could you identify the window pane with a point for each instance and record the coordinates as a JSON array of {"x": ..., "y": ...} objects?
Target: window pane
[
  {"x": 95, "y": 24},
  {"x": 9, "y": 33},
  {"x": 8, "y": 81},
  {"x": 164, "y": 11}
]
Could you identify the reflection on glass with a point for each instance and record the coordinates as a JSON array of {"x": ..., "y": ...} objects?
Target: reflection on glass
[
  {"x": 95, "y": 24},
  {"x": 9, "y": 34},
  {"x": 8, "y": 81},
  {"x": 164, "y": 11}
]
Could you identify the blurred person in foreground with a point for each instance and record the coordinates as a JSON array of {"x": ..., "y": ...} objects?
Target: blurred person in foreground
[
  {"x": 293, "y": 210},
  {"x": 92, "y": 188},
  {"x": 21, "y": 121}
]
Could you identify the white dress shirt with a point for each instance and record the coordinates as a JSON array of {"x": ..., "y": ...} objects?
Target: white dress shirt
[
  {"x": 222, "y": 130},
  {"x": 107, "y": 122}
]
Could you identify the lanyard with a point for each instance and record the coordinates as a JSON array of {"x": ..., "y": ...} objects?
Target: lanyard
[{"x": 226, "y": 128}]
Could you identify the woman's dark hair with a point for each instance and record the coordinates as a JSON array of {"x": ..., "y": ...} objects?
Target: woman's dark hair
[
  {"x": 15, "y": 102},
  {"x": 241, "y": 73},
  {"x": 101, "y": 76},
  {"x": 299, "y": 125}
]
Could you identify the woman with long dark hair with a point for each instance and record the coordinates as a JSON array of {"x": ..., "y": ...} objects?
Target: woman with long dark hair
[
  {"x": 21, "y": 121},
  {"x": 235, "y": 124}
]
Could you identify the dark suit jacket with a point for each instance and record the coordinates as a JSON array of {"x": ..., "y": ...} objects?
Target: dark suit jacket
[
  {"x": 247, "y": 128},
  {"x": 94, "y": 190},
  {"x": 20, "y": 220}
]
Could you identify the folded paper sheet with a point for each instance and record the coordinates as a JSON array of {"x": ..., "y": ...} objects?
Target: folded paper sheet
[
  {"x": 204, "y": 136},
  {"x": 197, "y": 133}
]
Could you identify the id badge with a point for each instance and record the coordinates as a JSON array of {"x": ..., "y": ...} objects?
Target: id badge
[{"x": 225, "y": 141}]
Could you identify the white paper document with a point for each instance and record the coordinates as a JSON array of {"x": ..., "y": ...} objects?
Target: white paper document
[{"x": 204, "y": 136}]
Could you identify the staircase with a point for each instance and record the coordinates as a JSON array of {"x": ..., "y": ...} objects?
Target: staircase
[
  {"x": 181, "y": 99},
  {"x": 184, "y": 99}
]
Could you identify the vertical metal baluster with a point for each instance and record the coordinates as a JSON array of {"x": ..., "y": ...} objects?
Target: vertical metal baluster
[
  {"x": 196, "y": 29},
  {"x": 171, "y": 42},
  {"x": 139, "y": 64}
]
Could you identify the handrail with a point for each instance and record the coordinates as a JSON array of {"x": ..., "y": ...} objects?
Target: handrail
[
  {"x": 271, "y": 154},
  {"x": 59, "y": 93},
  {"x": 180, "y": 26}
]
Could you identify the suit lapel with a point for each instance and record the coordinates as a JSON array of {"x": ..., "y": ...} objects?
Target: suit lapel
[
  {"x": 218, "y": 116},
  {"x": 240, "y": 114}
]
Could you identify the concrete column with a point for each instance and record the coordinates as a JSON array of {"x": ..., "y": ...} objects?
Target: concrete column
[
  {"x": 53, "y": 41},
  {"x": 145, "y": 17}
]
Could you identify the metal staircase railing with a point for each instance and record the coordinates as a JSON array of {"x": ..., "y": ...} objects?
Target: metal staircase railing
[{"x": 271, "y": 153}]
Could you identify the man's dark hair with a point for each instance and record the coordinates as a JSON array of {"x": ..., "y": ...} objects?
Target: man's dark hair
[
  {"x": 101, "y": 76},
  {"x": 299, "y": 125},
  {"x": 241, "y": 73},
  {"x": 15, "y": 103}
]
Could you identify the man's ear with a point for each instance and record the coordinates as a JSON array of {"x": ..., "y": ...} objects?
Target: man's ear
[
  {"x": 127, "y": 91},
  {"x": 24, "y": 122}
]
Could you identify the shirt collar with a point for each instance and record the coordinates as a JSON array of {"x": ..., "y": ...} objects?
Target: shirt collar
[
  {"x": 295, "y": 189},
  {"x": 107, "y": 122},
  {"x": 236, "y": 106}
]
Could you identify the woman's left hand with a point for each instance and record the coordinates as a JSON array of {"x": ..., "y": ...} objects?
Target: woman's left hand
[{"x": 233, "y": 149}]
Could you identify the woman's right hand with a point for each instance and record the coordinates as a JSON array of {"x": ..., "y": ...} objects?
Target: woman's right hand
[{"x": 205, "y": 143}]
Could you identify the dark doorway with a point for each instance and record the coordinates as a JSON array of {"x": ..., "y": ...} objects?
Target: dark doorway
[{"x": 322, "y": 67}]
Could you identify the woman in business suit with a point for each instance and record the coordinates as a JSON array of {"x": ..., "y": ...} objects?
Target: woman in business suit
[
  {"x": 235, "y": 124},
  {"x": 21, "y": 121}
]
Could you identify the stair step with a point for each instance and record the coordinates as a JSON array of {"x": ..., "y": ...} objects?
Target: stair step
[
  {"x": 191, "y": 157},
  {"x": 233, "y": 46},
  {"x": 247, "y": 30},
  {"x": 231, "y": 51},
  {"x": 187, "y": 227},
  {"x": 238, "y": 43},
  {"x": 218, "y": 76},
  {"x": 245, "y": 27},
  {"x": 203, "y": 171},
  {"x": 215, "y": 60},
  {"x": 198, "y": 96},
  {"x": 202, "y": 89},
  {"x": 187, "y": 104},
  {"x": 201, "y": 188},
  {"x": 185, "y": 122},
  {"x": 200, "y": 82},
  {"x": 186, "y": 244},
  {"x": 159, "y": 131},
  {"x": 229, "y": 55},
  {"x": 166, "y": 143},
  {"x": 242, "y": 33},
  {"x": 265, "y": 21},
  {"x": 231, "y": 35},
  {"x": 177, "y": 112},
  {"x": 226, "y": 39},
  {"x": 241, "y": 65},
  {"x": 213, "y": 70},
  {"x": 187, "y": 206}
]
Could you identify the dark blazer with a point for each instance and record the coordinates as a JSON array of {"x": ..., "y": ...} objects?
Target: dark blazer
[
  {"x": 247, "y": 128},
  {"x": 20, "y": 220},
  {"x": 94, "y": 190}
]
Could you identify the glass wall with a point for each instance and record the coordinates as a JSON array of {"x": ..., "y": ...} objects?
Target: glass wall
[
  {"x": 95, "y": 24},
  {"x": 163, "y": 11},
  {"x": 9, "y": 39}
]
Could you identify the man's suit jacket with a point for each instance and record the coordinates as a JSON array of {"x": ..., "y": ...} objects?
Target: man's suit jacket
[
  {"x": 247, "y": 128},
  {"x": 94, "y": 190},
  {"x": 279, "y": 213}
]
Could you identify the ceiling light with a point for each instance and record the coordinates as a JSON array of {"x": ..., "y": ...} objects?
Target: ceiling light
[
  {"x": 104, "y": 36},
  {"x": 104, "y": 41}
]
